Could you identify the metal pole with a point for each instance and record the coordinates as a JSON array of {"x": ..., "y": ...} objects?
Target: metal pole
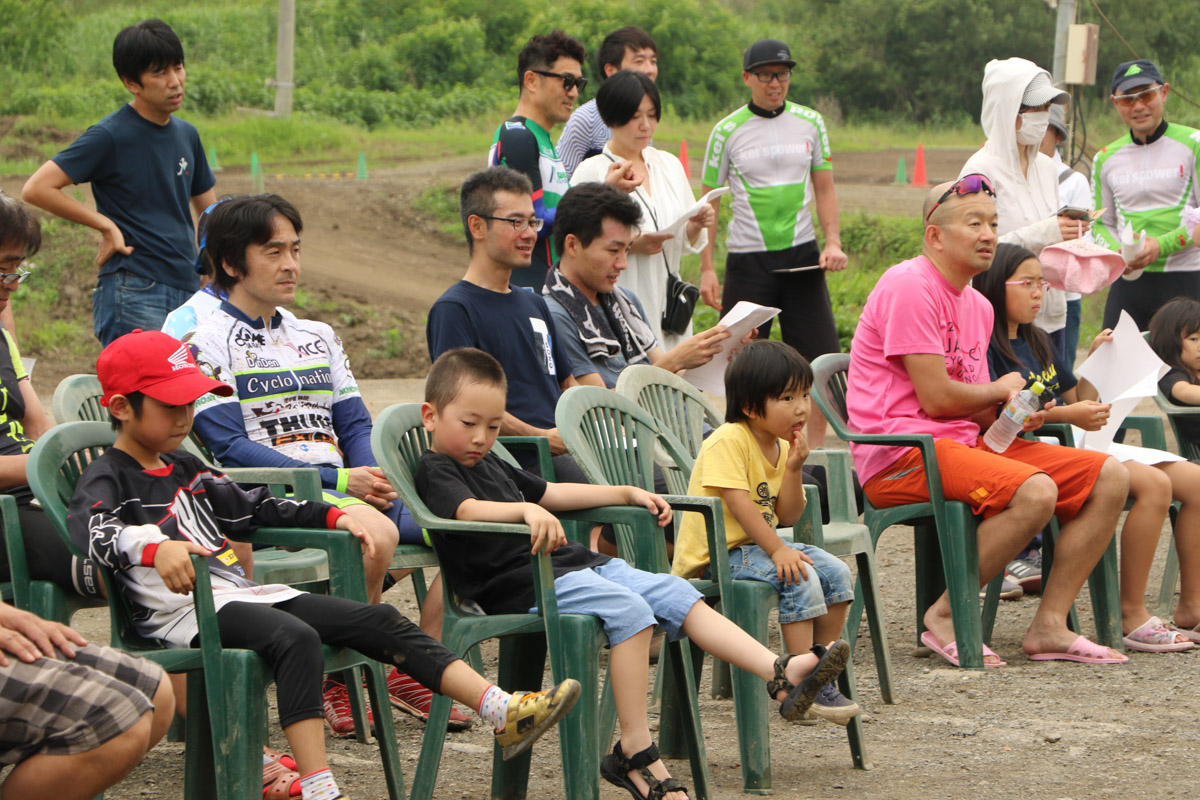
[
  {"x": 284, "y": 58},
  {"x": 1066, "y": 18}
]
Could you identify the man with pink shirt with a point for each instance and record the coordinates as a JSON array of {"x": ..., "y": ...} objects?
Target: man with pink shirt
[{"x": 918, "y": 364}]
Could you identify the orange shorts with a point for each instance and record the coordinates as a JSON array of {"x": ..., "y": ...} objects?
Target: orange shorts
[{"x": 987, "y": 481}]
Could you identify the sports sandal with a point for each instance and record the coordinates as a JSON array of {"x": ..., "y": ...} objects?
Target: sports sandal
[
  {"x": 1154, "y": 637},
  {"x": 278, "y": 776},
  {"x": 830, "y": 663},
  {"x": 615, "y": 769},
  {"x": 530, "y": 714}
]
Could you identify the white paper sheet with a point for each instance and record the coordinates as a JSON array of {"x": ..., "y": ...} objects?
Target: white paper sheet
[
  {"x": 28, "y": 363},
  {"x": 1123, "y": 371},
  {"x": 741, "y": 319},
  {"x": 676, "y": 227}
]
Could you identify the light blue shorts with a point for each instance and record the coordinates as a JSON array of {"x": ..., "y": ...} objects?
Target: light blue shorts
[
  {"x": 798, "y": 601},
  {"x": 626, "y": 600}
]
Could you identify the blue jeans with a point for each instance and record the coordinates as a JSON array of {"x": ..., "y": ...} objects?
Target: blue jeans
[
  {"x": 626, "y": 600},
  {"x": 828, "y": 582},
  {"x": 124, "y": 301}
]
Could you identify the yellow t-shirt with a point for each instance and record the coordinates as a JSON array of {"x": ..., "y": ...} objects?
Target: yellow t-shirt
[{"x": 729, "y": 459}]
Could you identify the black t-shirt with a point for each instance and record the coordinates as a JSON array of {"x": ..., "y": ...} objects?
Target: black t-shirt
[
  {"x": 13, "y": 441},
  {"x": 1188, "y": 427},
  {"x": 1056, "y": 377},
  {"x": 494, "y": 572}
]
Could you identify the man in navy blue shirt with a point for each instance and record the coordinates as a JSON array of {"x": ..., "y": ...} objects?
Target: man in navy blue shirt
[{"x": 145, "y": 167}]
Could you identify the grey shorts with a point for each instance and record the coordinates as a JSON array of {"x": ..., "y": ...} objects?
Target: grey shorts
[{"x": 69, "y": 706}]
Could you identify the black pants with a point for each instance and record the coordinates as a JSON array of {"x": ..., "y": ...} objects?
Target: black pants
[
  {"x": 48, "y": 557},
  {"x": 289, "y": 636},
  {"x": 1141, "y": 298}
]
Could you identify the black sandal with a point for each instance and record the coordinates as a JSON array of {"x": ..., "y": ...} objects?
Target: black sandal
[
  {"x": 831, "y": 661},
  {"x": 615, "y": 769}
]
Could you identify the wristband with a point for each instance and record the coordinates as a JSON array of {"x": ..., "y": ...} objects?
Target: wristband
[
  {"x": 149, "y": 553},
  {"x": 343, "y": 480},
  {"x": 333, "y": 515}
]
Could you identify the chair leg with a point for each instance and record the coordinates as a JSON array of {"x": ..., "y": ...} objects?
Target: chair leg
[
  {"x": 672, "y": 742},
  {"x": 199, "y": 772},
  {"x": 868, "y": 585},
  {"x": 522, "y": 664},
  {"x": 680, "y": 663},
  {"x": 960, "y": 561},
  {"x": 388, "y": 753},
  {"x": 582, "y": 735},
  {"x": 990, "y": 604},
  {"x": 358, "y": 708},
  {"x": 750, "y": 703},
  {"x": 927, "y": 571},
  {"x": 854, "y": 730},
  {"x": 1170, "y": 579}
]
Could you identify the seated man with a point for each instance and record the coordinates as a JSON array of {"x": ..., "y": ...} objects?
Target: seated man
[
  {"x": 296, "y": 403},
  {"x": 74, "y": 718},
  {"x": 919, "y": 365}
]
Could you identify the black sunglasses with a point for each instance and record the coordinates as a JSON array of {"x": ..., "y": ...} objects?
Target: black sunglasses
[{"x": 569, "y": 81}]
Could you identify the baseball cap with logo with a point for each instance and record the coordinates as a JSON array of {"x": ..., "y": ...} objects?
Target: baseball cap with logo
[
  {"x": 767, "y": 51},
  {"x": 1142, "y": 72},
  {"x": 158, "y": 366}
]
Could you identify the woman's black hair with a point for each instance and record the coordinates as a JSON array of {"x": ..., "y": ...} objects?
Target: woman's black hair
[
  {"x": 621, "y": 95},
  {"x": 991, "y": 285},
  {"x": 1169, "y": 325},
  {"x": 763, "y": 371}
]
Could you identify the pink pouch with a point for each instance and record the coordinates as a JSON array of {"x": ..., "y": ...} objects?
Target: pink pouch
[{"x": 1080, "y": 266}]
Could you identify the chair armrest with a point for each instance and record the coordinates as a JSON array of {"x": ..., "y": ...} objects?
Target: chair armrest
[
  {"x": 346, "y": 577},
  {"x": 14, "y": 545},
  {"x": 206, "y": 621},
  {"x": 305, "y": 481},
  {"x": 713, "y": 513},
  {"x": 1054, "y": 430},
  {"x": 539, "y": 445}
]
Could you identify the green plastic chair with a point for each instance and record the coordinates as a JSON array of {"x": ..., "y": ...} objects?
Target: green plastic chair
[
  {"x": 1191, "y": 451},
  {"x": 680, "y": 408},
  {"x": 613, "y": 439},
  {"x": 573, "y": 641},
  {"x": 226, "y": 714}
]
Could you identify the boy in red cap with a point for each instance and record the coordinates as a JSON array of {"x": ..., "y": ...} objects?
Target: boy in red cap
[{"x": 142, "y": 509}]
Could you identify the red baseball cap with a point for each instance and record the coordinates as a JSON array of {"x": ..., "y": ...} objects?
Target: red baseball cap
[{"x": 158, "y": 366}]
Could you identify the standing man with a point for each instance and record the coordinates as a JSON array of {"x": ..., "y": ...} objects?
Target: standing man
[
  {"x": 1073, "y": 192},
  {"x": 775, "y": 155},
  {"x": 145, "y": 167},
  {"x": 1146, "y": 179},
  {"x": 585, "y": 134}
]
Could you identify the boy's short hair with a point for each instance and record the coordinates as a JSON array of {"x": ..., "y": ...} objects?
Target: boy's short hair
[
  {"x": 583, "y": 209},
  {"x": 238, "y": 222},
  {"x": 136, "y": 399},
  {"x": 540, "y": 52},
  {"x": 150, "y": 44},
  {"x": 612, "y": 49},
  {"x": 460, "y": 366},
  {"x": 621, "y": 96},
  {"x": 477, "y": 197},
  {"x": 760, "y": 372},
  {"x": 19, "y": 226}
]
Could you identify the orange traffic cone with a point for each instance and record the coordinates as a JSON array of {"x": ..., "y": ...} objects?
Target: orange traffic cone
[
  {"x": 683, "y": 158},
  {"x": 918, "y": 179}
]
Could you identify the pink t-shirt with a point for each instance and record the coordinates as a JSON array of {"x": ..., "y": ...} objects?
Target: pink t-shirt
[{"x": 912, "y": 310}]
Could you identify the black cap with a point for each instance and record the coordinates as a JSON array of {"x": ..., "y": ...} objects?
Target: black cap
[
  {"x": 1135, "y": 73},
  {"x": 767, "y": 51}
]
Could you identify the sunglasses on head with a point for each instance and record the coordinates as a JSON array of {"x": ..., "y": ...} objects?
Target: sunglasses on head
[
  {"x": 569, "y": 81},
  {"x": 967, "y": 184}
]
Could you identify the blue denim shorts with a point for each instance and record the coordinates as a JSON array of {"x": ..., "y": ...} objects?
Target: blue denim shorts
[
  {"x": 807, "y": 599},
  {"x": 124, "y": 301},
  {"x": 626, "y": 600}
]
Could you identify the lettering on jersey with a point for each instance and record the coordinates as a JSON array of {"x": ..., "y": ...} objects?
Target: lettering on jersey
[
  {"x": 255, "y": 361},
  {"x": 198, "y": 527},
  {"x": 313, "y": 348},
  {"x": 347, "y": 390},
  {"x": 1143, "y": 176},
  {"x": 317, "y": 379},
  {"x": 245, "y": 336},
  {"x": 541, "y": 335},
  {"x": 179, "y": 359},
  {"x": 775, "y": 150},
  {"x": 962, "y": 358},
  {"x": 296, "y": 422},
  {"x": 268, "y": 408},
  {"x": 292, "y": 438}
]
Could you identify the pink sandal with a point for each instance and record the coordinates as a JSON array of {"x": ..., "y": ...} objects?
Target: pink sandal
[
  {"x": 1083, "y": 651},
  {"x": 279, "y": 775},
  {"x": 1154, "y": 637}
]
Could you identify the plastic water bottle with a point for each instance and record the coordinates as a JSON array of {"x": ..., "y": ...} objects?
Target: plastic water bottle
[{"x": 1012, "y": 418}]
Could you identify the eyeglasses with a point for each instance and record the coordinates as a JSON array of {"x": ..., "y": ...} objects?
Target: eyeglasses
[
  {"x": 569, "y": 81},
  {"x": 519, "y": 224},
  {"x": 967, "y": 184},
  {"x": 1131, "y": 100},
  {"x": 16, "y": 276},
  {"x": 767, "y": 77},
  {"x": 1030, "y": 284}
]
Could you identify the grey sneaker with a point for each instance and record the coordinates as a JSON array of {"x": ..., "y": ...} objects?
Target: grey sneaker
[
  {"x": 834, "y": 706},
  {"x": 1027, "y": 572},
  {"x": 1009, "y": 589}
]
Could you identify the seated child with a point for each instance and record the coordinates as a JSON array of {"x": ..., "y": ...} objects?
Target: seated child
[
  {"x": 459, "y": 479},
  {"x": 1015, "y": 288},
  {"x": 144, "y": 506},
  {"x": 753, "y": 464}
]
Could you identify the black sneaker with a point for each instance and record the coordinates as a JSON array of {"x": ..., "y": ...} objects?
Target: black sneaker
[
  {"x": 1027, "y": 572},
  {"x": 832, "y": 705}
]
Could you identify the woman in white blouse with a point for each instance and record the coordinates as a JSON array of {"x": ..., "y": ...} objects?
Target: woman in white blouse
[{"x": 629, "y": 104}]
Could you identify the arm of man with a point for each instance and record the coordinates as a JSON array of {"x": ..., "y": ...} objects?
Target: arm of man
[
  {"x": 202, "y": 201},
  {"x": 710, "y": 284},
  {"x": 36, "y": 421},
  {"x": 940, "y": 396},
  {"x": 1104, "y": 229},
  {"x": 832, "y": 257},
  {"x": 44, "y": 190},
  {"x": 566, "y": 334},
  {"x": 695, "y": 351}
]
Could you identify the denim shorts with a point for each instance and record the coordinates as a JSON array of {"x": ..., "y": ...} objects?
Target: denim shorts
[
  {"x": 626, "y": 600},
  {"x": 124, "y": 301},
  {"x": 807, "y": 599}
]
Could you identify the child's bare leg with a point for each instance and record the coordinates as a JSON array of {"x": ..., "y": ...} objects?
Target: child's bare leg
[
  {"x": 798, "y": 636},
  {"x": 461, "y": 683},
  {"x": 1185, "y": 486},
  {"x": 431, "y": 609},
  {"x": 830, "y": 625},
  {"x": 384, "y": 534},
  {"x": 306, "y": 738},
  {"x": 1151, "y": 490}
]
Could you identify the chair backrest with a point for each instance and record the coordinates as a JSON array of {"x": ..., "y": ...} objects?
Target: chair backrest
[
  {"x": 1175, "y": 413},
  {"x": 77, "y": 399},
  {"x": 829, "y": 390}
]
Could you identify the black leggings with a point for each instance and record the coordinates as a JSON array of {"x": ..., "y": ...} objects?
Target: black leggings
[{"x": 289, "y": 635}]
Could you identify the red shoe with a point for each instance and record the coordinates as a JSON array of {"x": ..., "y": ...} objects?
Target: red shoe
[
  {"x": 413, "y": 698},
  {"x": 338, "y": 717}
]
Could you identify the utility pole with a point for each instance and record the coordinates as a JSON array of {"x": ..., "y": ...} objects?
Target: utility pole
[
  {"x": 1066, "y": 18},
  {"x": 284, "y": 60}
]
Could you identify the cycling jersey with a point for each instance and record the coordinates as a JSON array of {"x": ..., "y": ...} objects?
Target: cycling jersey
[
  {"x": 525, "y": 146},
  {"x": 295, "y": 400},
  {"x": 1148, "y": 186},
  {"x": 768, "y": 162}
]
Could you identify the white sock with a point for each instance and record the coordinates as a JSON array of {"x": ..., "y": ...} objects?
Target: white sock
[
  {"x": 493, "y": 707},
  {"x": 320, "y": 785}
]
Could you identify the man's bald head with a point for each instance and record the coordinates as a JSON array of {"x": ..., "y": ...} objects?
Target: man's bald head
[{"x": 932, "y": 198}]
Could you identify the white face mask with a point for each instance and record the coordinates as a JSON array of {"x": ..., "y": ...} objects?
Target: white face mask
[{"x": 1033, "y": 127}]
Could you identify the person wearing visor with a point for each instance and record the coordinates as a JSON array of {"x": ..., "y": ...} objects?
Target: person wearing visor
[{"x": 1148, "y": 179}]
